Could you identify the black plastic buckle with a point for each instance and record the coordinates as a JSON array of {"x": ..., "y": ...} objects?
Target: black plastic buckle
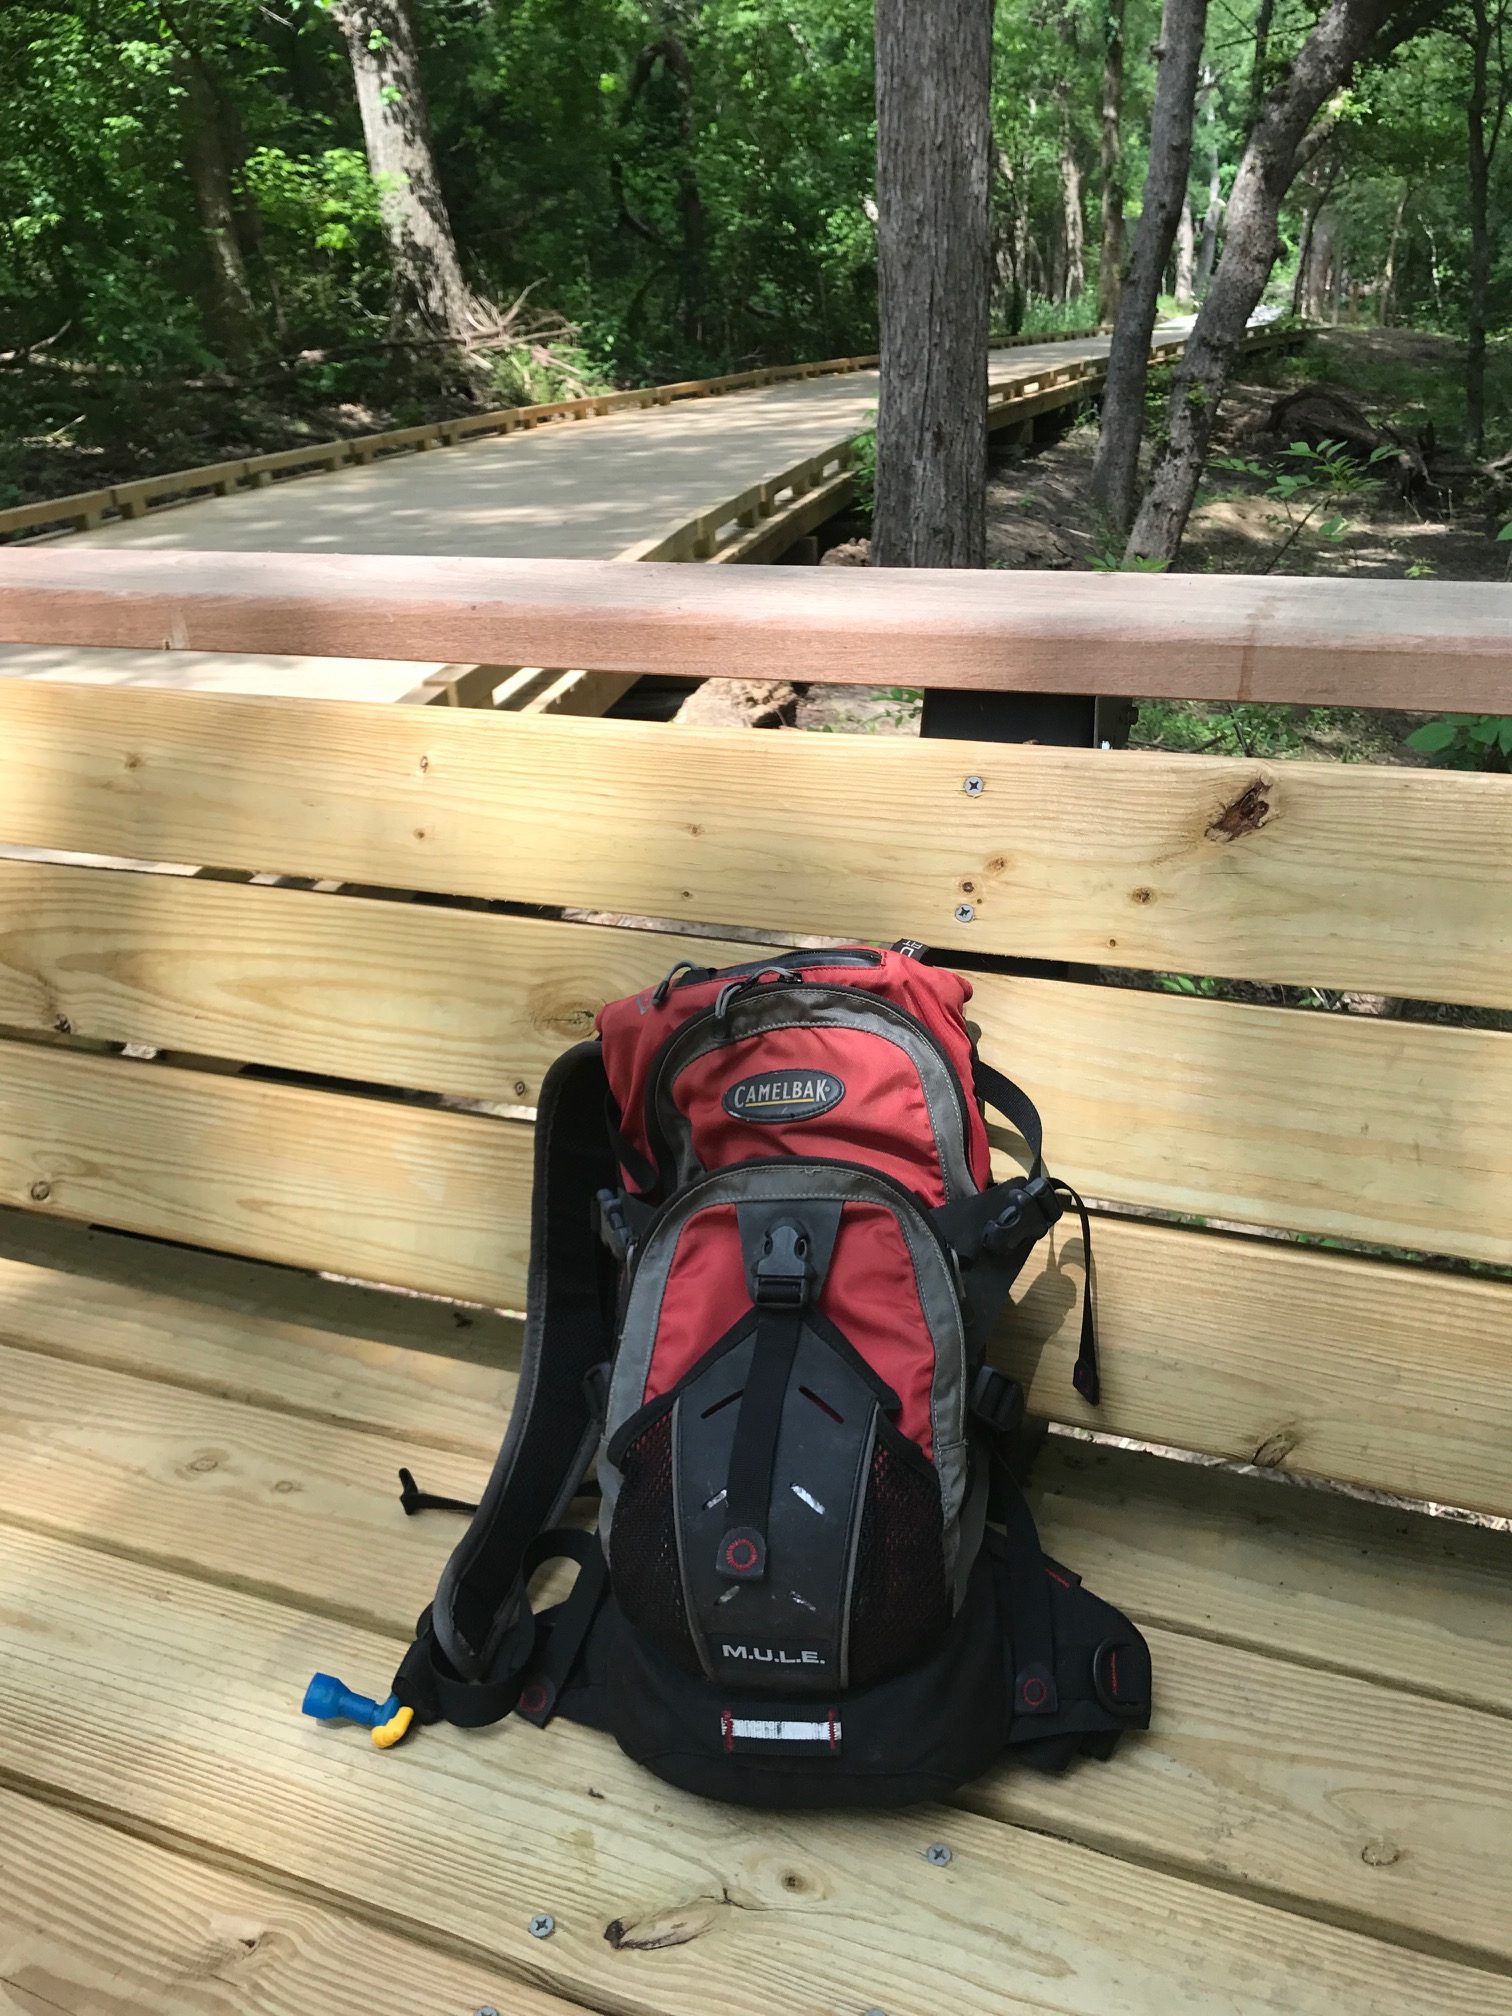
[
  {"x": 781, "y": 1276},
  {"x": 997, "y": 1401},
  {"x": 1031, "y": 1210}
]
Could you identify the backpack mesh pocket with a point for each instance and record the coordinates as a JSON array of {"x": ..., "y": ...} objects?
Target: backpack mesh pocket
[
  {"x": 900, "y": 1605},
  {"x": 646, "y": 1573}
]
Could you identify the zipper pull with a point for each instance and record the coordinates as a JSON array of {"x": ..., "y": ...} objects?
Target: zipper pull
[{"x": 769, "y": 976}]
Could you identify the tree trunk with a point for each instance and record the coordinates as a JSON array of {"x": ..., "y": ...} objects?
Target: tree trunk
[
  {"x": 1010, "y": 256},
  {"x": 1110, "y": 259},
  {"x": 1388, "y": 270},
  {"x": 428, "y": 284},
  {"x": 1115, "y": 471},
  {"x": 230, "y": 313},
  {"x": 1207, "y": 252},
  {"x": 1186, "y": 259},
  {"x": 1073, "y": 273},
  {"x": 934, "y": 78},
  {"x": 1306, "y": 286},
  {"x": 1482, "y": 146},
  {"x": 1267, "y": 168}
]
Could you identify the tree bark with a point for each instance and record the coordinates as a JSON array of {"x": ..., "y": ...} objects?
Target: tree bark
[
  {"x": 934, "y": 77},
  {"x": 1265, "y": 15},
  {"x": 1388, "y": 269},
  {"x": 428, "y": 284},
  {"x": 1110, "y": 259},
  {"x": 1073, "y": 270},
  {"x": 1321, "y": 67},
  {"x": 1115, "y": 470},
  {"x": 230, "y": 312},
  {"x": 1186, "y": 259},
  {"x": 1207, "y": 252}
]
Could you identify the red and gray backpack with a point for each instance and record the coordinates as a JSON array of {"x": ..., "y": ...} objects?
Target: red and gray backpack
[{"x": 768, "y": 1254}]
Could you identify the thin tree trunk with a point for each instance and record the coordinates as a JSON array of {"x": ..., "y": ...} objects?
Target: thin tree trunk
[
  {"x": 1305, "y": 286},
  {"x": 1207, "y": 251},
  {"x": 934, "y": 79},
  {"x": 1073, "y": 276},
  {"x": 1186, "y": 259},
  {"x": 428, "y": 283},
  {"x": 1011, "y": 253},
  {"x": 1110, "y": 259},
  {"x": 1435, "y": 271},
  {"x": 1482, "y": 146},
  {"x": 230, "y": 312},
  {"x": 1267, "y": 169},
  {"x": 1265, "y": 16},
  {"x": 1115, "y": 471},
  {"x": 1388, "y": 270}
]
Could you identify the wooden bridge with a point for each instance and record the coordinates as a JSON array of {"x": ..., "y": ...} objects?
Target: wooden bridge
[{"x": 733, "y": 469}]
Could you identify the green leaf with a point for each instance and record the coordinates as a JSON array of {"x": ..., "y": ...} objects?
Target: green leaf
[
  {"x": 1506, "y": 530},
  {"x": 1504, "y": 736},
  {"x": 1485, "y": 731},
  {"x": 1433, "y": 737},
  {"x": 1333, "y": 528}
]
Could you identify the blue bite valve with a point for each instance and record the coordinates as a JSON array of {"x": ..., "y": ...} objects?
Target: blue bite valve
[{"x": 329, "y": 1701}]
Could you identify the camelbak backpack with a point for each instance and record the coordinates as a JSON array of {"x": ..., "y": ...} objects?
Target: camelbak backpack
[{"x": 767, "y": 1258}]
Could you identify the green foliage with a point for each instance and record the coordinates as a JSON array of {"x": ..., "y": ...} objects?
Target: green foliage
[{"x": 1466, "y": 741}]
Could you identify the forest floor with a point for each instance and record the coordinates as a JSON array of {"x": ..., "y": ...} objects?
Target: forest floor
[{"x": 1040, "y": 514}]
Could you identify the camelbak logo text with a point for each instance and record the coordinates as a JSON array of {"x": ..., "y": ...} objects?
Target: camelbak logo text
[
  {"x": 773, "y": 1655},
  {"x": 784, "y": 1095}
]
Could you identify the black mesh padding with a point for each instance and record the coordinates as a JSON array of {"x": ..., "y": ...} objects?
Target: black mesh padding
[
  {"x": 900, "y": 1606},
  {"x": 645, "y": 1572}
]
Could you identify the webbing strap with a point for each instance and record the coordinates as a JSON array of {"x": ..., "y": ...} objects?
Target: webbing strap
[
  {"x": 1015, "y": 1105},
  {"x": 1031, "y": 1621},
  {"x": 555, "y": 1426}
]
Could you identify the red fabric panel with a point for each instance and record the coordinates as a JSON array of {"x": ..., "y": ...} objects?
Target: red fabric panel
[
  {"x": 633, "y": 1031},
  {"x": 882, "y": 1119},
  {"x": 869, "y": 1294},
  {"x": 705, "y": 1294}
]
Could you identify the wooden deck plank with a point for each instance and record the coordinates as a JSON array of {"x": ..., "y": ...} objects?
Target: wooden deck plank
[
  {"x": 776, "y": 1919},
  {"x": 1342, "y": 1126},
  {"x": 439, "y": 1201},
  {"x": 98, "y": 1923},
  {"x": 440, "y": 1374},
  {"x": 1418, "y": 644},
  {"x": 1354, "y": 877},
  {"x": 1326, "y": 1579},
  {"x": 386, "y": 1191},
  {"x": 1319, "y": 1577},
  {"x": 1305, "y": 1784}
]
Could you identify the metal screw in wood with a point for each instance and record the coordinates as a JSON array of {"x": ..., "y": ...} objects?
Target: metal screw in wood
[
  {"x": 973, "y": 787},
  {"x": 938, "y": 1853},
  {"x": 964, "y": 913},
  {"x": 542, "y": 1925}
]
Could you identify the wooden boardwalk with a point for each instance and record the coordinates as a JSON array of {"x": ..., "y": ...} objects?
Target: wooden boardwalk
[{"x": 596, "y": 489}]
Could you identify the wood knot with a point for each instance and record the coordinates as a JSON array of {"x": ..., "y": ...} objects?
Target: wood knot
[
  {"x": 1380, "y": 1852},
  {"x": 1275, "y": 1449},
  {"x": 668, "y": 1928},
  {"x": 1247, "y": 814},
  {"x": 1141, "y": 895}
]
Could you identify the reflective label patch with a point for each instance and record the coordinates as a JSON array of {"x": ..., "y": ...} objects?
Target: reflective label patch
[
  {"x": 783, "y": 1095},
  {"x": 746, "y": 1732}
]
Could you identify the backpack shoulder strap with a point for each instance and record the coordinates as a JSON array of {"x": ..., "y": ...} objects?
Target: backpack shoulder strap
[{"x": 475, "y": 1642}]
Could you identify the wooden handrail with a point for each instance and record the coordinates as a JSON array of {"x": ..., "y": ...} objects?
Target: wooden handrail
[{"x": 1413, "y": 644}]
